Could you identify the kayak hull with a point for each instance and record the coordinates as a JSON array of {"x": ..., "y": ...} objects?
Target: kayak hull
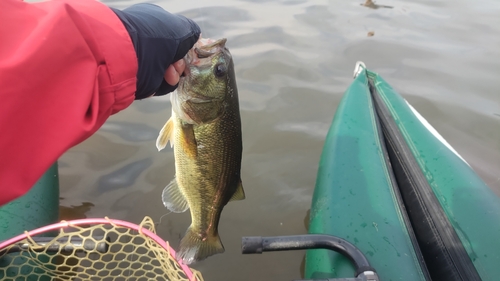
[{"x": 365, "y": 194}]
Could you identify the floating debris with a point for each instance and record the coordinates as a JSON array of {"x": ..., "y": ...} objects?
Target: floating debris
[
  {"x": 370, "y": 4},
  {"x": 371, "y": 33}
]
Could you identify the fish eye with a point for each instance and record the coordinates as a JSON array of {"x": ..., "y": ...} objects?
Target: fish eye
[{"x": 220, "y": 70}]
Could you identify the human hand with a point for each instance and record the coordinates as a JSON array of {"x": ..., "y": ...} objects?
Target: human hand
[
  {"x": 160, "y": 40},
  {"x": 174, "y": 72}
]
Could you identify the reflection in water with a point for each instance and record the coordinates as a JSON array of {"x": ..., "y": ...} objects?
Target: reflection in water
[
  {"x": 74, "y": 212},
  {"x": 123, "y": 177},
  {"x": 210, "y": 19},
  {"x": 132, "y": 132},
  {"x": 316, "y": 129},
  {"x": 293, "y": 60},
  {"x": 303, "y": 267},
  {"x": 100, "y": 153},
  {"x": 307, "y": 218},
  {"x": 151, "y": 106}
]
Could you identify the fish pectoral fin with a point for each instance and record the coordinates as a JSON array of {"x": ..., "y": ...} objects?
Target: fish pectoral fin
[
  {"x": 190, "y": 146},
  {"x": 239, "y": 193},
  {"x": 195, "y": 247},
  {"x": 165, "y": 135},
  {"x": 173, "y": 199}
]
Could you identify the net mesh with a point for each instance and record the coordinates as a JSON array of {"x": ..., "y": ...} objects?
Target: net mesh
[{"x": 92, "y": 252}]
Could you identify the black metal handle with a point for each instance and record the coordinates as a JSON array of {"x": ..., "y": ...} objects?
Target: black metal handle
[
  {"x": 258, "y": 244},
  {"x": 98, "y": 244}
]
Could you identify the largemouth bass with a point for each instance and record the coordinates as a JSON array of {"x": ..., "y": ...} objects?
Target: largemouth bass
[{"x": 205, "y": 131}]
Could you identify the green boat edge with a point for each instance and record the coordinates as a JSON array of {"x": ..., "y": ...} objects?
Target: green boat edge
[
  {"x": 37, "y": 208},
  {"x": 355, "y": 198}
]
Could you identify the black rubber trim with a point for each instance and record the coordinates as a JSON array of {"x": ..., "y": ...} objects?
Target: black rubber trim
[
  {"x": 400, "y": 202},
  {"x": 444, "y": 254}
]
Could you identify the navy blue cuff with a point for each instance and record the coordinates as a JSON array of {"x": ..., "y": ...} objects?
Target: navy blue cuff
[{"x": 160, "y": 39}]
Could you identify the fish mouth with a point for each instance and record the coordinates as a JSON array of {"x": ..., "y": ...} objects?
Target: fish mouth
[
  {"x": 210, "y": 48},
  {"x": 204, "y": 48}
]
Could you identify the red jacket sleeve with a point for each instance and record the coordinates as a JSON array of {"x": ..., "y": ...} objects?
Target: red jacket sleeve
[{"x": 65, "y": 67}]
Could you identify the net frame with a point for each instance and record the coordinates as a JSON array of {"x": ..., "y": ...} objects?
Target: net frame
[{"x": 145, "y": 229}]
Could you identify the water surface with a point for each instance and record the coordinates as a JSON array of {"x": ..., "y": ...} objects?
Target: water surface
[{"x": 294, "y": 59}]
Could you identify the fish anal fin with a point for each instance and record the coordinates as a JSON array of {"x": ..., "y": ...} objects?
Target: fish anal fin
[
  {"x": 173, "y": 199},
  {"x": 239, "y": 193},
  {"x": 196, "y": 246},
  {"x": 189, "y": 141},
  {"x": 165, "y": 135}
]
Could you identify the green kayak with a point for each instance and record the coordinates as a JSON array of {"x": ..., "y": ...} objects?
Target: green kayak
[{"x": 392, "y": 186}]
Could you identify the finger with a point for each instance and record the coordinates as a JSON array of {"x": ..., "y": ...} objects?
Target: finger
[
  {"x": 171, "y": 75},
  {"x": 179, "y": 66}
]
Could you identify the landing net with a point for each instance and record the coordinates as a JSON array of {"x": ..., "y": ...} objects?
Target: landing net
[{"x": 92, "y": 249}]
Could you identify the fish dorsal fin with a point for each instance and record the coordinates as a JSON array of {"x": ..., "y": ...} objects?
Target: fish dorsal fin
[
  {"x": 166, "y": 134},
  {"x": 190, "y": 146},
  {"x": 173, "y": 199},
  {"x": 239, "y": 194}
]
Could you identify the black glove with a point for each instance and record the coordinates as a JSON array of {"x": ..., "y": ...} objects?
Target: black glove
[{"x": 159, "y": 39}]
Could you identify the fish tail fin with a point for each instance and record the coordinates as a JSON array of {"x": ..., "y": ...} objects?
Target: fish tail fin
[{"x": 195, "y": 248}]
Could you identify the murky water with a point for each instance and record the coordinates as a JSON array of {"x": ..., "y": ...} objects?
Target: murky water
[{"x": 293, "y": 60}]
